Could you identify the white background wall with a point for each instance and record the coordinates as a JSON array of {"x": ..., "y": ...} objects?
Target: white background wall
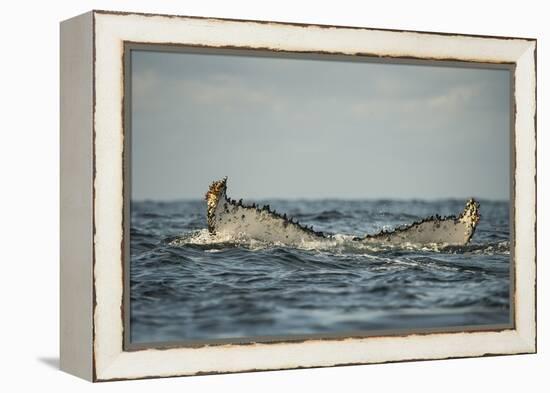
[{"x": 29, "y": 210}]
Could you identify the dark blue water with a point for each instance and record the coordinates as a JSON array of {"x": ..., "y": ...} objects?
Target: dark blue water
[{"x": 188, "y": 285}]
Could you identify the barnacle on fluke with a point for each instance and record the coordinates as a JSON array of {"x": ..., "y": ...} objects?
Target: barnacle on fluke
[
  {"x": 212, "y": 198},
  {"x": 262, "y": 223}
]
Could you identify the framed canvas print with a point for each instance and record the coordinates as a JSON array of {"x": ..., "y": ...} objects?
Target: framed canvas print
[{"x": 244, "y": 195}]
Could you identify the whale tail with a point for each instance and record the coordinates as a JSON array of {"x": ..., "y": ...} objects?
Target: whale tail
[{"x": 227, "y": 215}]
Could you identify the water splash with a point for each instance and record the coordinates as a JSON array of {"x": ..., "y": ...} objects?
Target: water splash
[{"x": 338, "y": 243}]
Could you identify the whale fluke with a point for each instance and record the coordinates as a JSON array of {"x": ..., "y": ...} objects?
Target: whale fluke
[{"x": 261, "y": 223}]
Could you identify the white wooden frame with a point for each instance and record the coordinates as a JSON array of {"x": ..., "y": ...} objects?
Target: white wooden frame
[{"x": 92, "y": 91}]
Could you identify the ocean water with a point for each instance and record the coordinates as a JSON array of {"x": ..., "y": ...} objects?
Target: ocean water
[{"x": 186, "y": 284}]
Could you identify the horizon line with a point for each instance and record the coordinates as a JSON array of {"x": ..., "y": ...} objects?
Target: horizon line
[{"x": 376, "y": 199}]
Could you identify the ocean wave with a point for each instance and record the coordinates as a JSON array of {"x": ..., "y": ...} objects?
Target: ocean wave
[{"x": 188, "y": 284}]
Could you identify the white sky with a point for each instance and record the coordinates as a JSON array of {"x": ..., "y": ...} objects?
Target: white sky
[{"x": 296, "y": 128}]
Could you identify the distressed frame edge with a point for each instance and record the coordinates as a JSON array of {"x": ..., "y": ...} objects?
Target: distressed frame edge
[
  {"x": 304, "y": 24},
  {"x": 527, "y": 340},
  {"x": 526, "y": 188}
]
